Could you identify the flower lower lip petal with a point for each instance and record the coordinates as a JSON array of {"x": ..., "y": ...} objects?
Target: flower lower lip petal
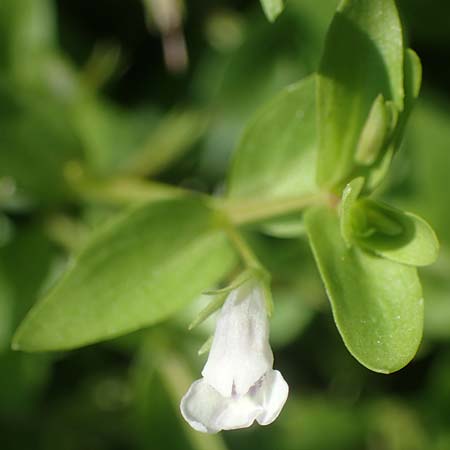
[
  {"x": 273, "y": 395},
  {"x": 209, "y": 412}
]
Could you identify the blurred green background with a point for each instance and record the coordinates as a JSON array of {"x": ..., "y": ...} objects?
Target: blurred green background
[{"x": 96, "y": 96}]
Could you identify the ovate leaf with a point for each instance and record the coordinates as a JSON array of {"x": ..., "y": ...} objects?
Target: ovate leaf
[
  {"x": 363, "y": 58},
  {"x": 377, "y": 304},
  {"x": 134, "y": 273},
  {"x": 276, "y": 155}
]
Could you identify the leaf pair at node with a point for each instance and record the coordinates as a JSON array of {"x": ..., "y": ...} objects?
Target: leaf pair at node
[{"x": 384, "y": 230}]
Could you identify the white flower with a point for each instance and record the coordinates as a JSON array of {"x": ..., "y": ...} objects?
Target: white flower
[{"x": 239, "y": 385}]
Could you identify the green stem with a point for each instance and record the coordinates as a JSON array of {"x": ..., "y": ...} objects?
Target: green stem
[
  {"x": 242, "y": 247},
  {"x": 124, "y": 190},
  {"x": 119, "y": 190},
  {"x": 243, "y": 211}
]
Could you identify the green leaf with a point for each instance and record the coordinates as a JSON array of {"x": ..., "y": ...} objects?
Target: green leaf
[
  {"x": 135, "y": 272},
  {"x": 413, "y": 81},
  {"x": 377, "y": 304},
  {"x": 413, "y": 75},
  {"x": 27, "y": 33},
  {"x": 272, "y": 8},
  {"x": 374, "y": 133},
  {"x": 276, "y": 155},
  {"x": 398, "y": 236},
  {"x": 363, "y": 58},
  {"x": 347, "y": 215},
  {"x": 36, "y": 143}
]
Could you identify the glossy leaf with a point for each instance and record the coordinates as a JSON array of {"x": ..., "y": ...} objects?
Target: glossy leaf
[
  {"x": 377, "y": 304},
  {"x": 363, "y": 58},
  {"x": 134, "y": 273},
  {"x": 276, "y": 155}
]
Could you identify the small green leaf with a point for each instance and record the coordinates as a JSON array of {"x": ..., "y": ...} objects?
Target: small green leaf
[
  {"x": 398, "y": 236},
  {"x": 374, "y": 133},
  {"x": 399, "y": 119},
  {"x": 272, "y": 8},
  {"x": 347, "y": 214},
  {"x": 377, "y": 304},
  {"x": 363, "y": 58},
  {"x": 378, "y": 218},
  {"x": 413, "y": 81},
  {"x": 276, "y": 155},
  {"x": 413, "y": 75},
  {"x": 135, "y": 272}
]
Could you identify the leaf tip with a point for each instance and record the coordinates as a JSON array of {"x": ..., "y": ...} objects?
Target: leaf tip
[{"x": 272, "y": 9}]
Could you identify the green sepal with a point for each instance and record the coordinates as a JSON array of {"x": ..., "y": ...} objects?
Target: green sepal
[
  {"x": 210, "y": 309},
  {"x": 222, "y": 294},
  {"x": 238, "y": 281},
  {"x": 206, "y": 347}
]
